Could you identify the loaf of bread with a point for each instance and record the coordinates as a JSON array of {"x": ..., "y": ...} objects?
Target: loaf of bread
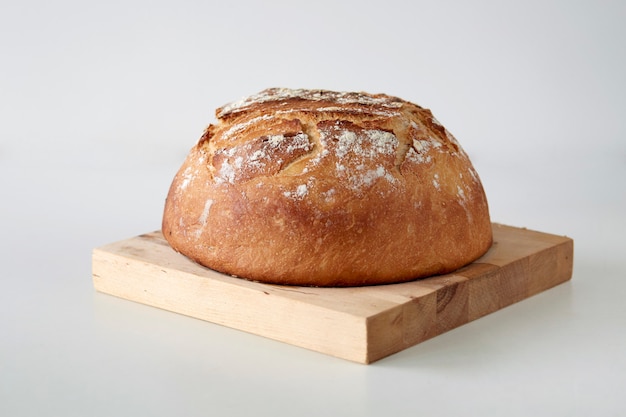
[{"x": 322, "y": 188}]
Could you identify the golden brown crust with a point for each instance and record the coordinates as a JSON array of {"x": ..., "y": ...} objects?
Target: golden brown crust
[{"x": 311, "y": 187}]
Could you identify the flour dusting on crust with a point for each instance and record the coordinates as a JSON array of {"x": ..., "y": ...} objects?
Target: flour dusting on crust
[{"x": 325, "y": 128}]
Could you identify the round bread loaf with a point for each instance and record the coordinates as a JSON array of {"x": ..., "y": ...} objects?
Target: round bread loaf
[{"x": 321, "y": 188}]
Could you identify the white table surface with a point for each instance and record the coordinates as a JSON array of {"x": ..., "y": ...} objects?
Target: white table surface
[{"x": 100, "y": 102}]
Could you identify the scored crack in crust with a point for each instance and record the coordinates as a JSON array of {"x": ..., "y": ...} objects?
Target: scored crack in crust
[{"x": 313, "y": 187}]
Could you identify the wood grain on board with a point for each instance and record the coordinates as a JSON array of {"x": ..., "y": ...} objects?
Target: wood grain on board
[{"x": 361, "y": 324}]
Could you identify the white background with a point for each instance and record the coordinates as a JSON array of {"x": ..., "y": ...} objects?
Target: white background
[{"x": 100, "y": 102}]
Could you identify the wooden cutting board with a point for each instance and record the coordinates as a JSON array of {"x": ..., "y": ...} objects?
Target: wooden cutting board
[{"x": 362, "y": 324}]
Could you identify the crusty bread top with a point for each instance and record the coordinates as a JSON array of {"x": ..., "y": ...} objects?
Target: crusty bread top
[{"x": 279, "y": 130}]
